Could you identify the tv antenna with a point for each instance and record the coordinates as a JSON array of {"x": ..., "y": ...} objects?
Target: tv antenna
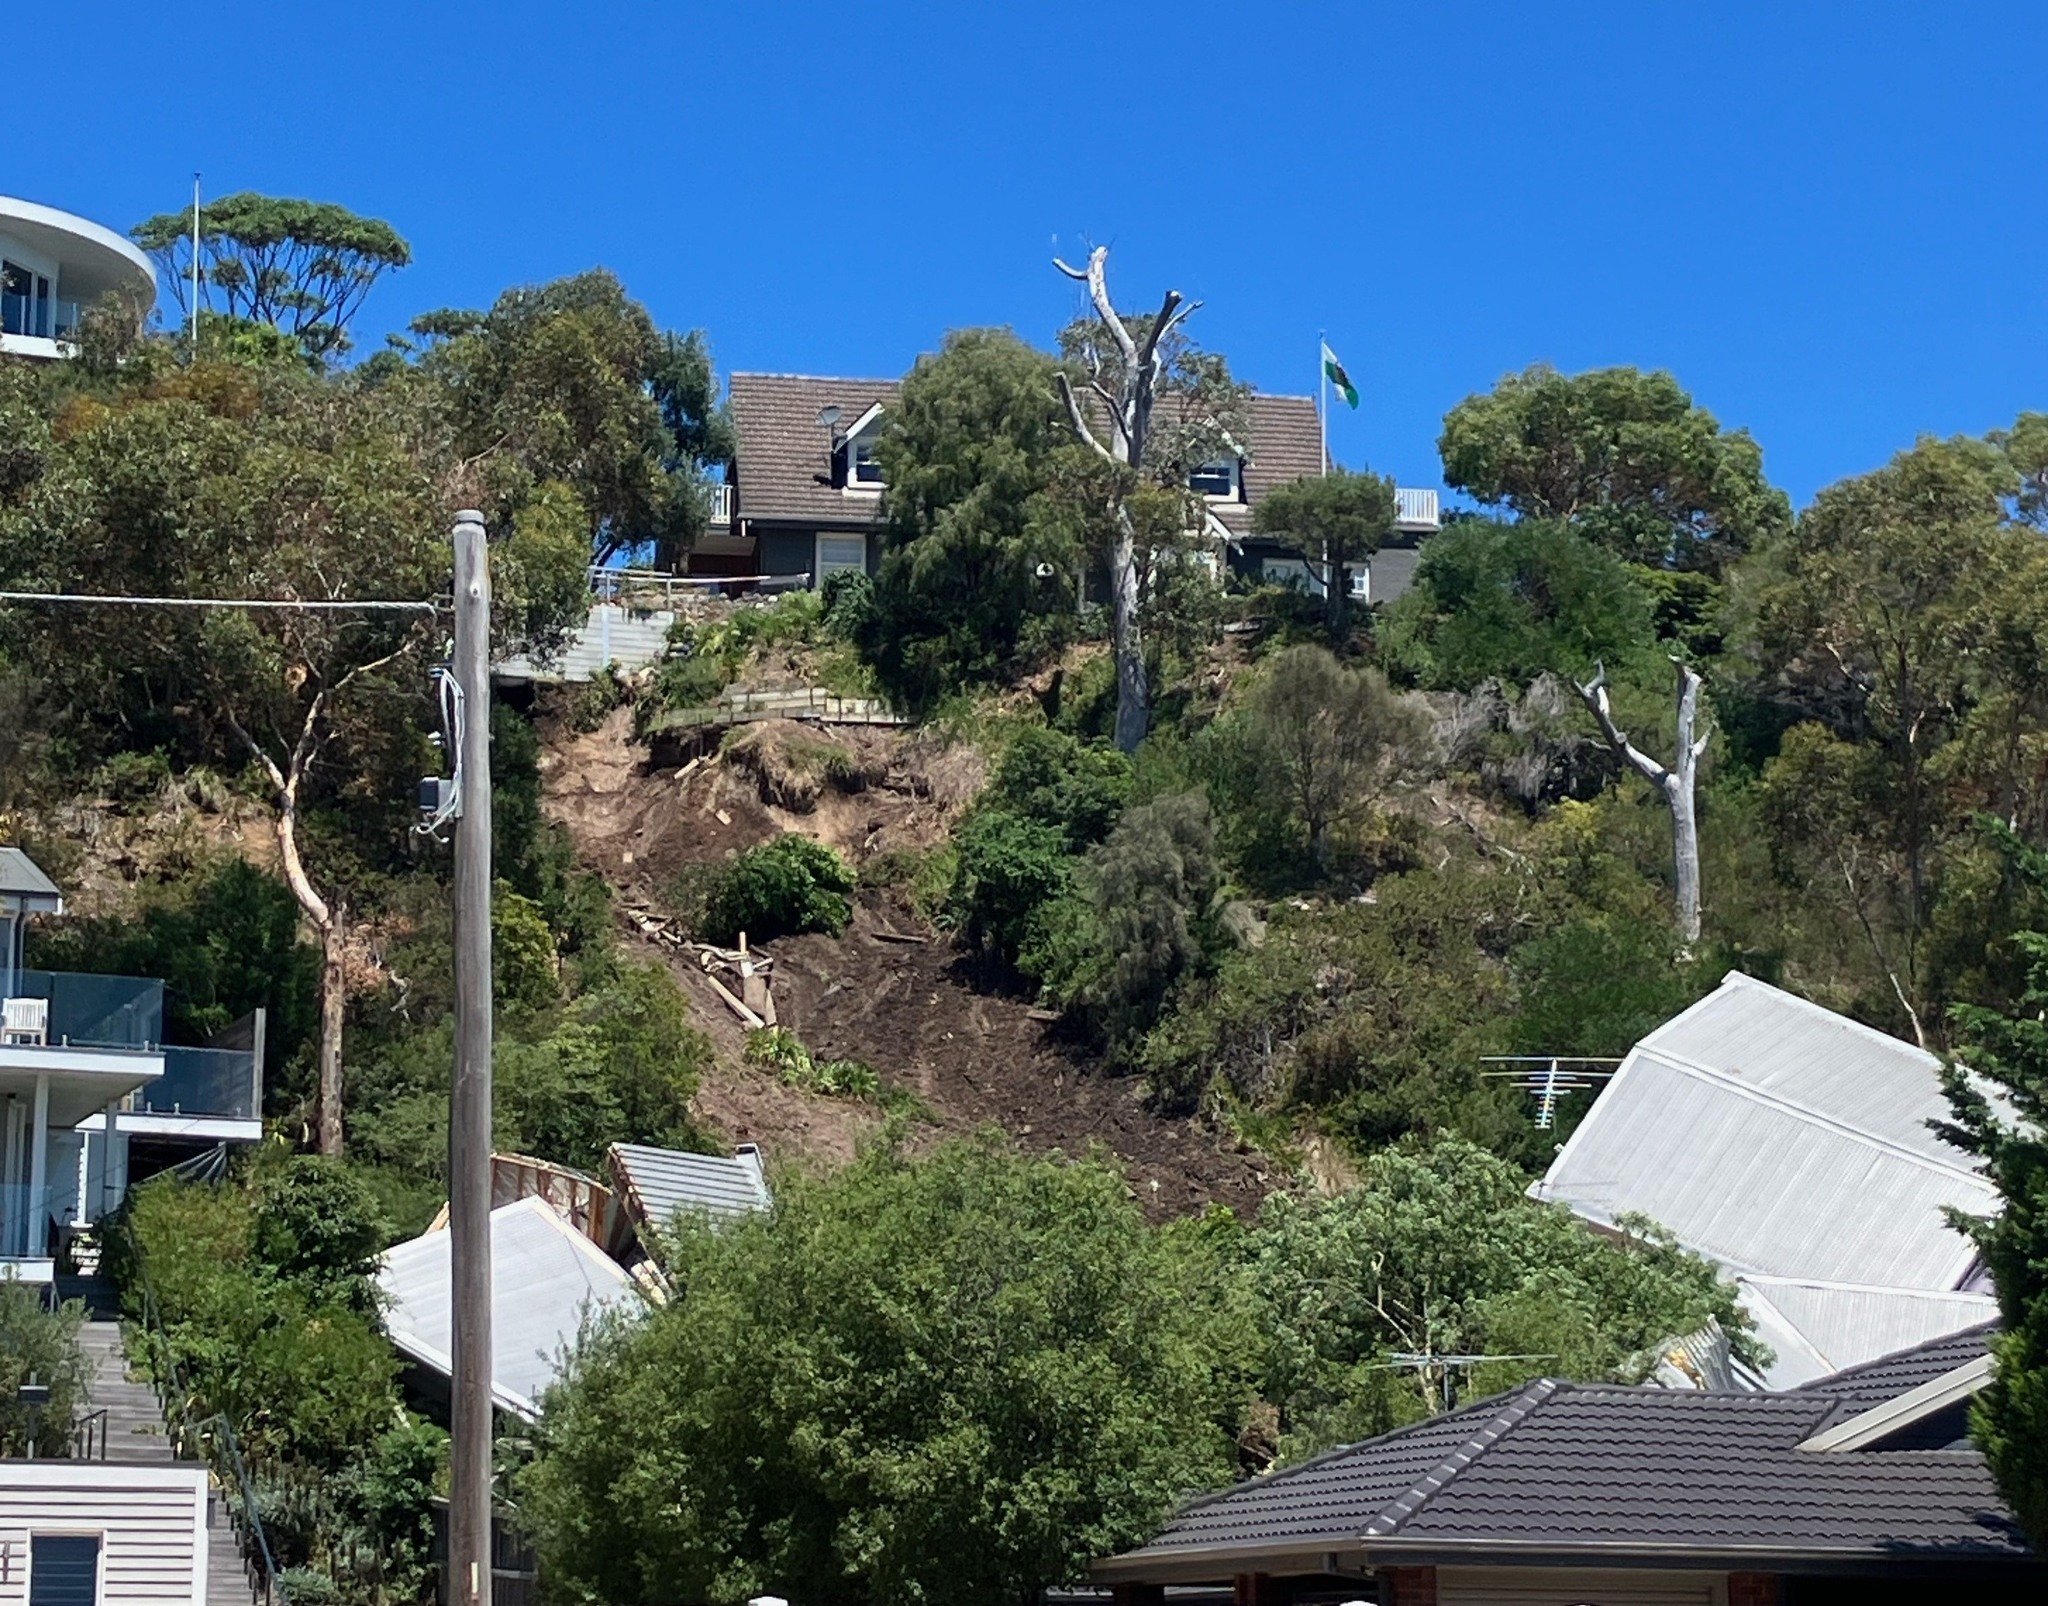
[{"x": 1552, "y": 1077}]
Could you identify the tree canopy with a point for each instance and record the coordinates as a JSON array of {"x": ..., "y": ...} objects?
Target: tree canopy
[
  {"x": 980, "y": 560},
  {"x": 301, "y": 267},
  {"x": 954, "y": 1379},
  {"x": 1333, "y": 519},
  {"x": 2009, "y": 1419},
  {"x": 1625, "y": 457}
]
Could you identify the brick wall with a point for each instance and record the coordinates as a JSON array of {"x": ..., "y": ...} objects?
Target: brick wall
[
  {"x": 1415, "y": 1586},
  {"x": 1755, "y": 1589}
]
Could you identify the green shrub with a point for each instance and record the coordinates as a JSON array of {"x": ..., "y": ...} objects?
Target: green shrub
[
  {"x": 1010, "y": 868},
  {"x": 1059, "y": 780},
  {"x": 783, "y": 1052},
  {"x": 40, "y": 1343},
  {"x": 781, "y": 889},
  {"x": 848, "y": 598}
]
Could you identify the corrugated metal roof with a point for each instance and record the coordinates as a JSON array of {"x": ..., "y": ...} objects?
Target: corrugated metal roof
[
  {"x": 1567, "y": 1468},
  {"x": 1812, "y": 1058},
  {"x": 1817, "y": 1329},
  {"x": 545, "y": 1278},
  {"x": 1779, "y": 1139},
  {"x": 660, "y": 1182}
]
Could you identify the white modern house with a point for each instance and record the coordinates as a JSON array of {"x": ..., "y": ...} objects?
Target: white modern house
[
  {"x": 1796, "y": 1148},
  {"x": 91, "y": 1097},
  {"x": 53, "y": 266}
]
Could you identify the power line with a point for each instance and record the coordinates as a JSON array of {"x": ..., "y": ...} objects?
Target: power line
[{"x": 253, "y": 604}]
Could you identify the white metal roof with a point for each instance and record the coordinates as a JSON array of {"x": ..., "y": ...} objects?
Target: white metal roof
[
  {"x": 545, "y": 1278},
  {"x": 659, "y": 1182},
  {"x": 1818, "y": 1328},
  {"x": 1782, "y": 1140}
]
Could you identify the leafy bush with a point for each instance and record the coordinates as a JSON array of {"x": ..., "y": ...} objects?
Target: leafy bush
[
  {"x": 1011, "y": 1371},
  {"x": 1511, "y": 601},
  {"x": 848, "y": 598},
  {"x": 1010, "y": 870},
  {"x": 781, "y": 889},
  {"x": 1056, "y": 779},
  {"x": 305, "y": 1377},
  {"x": 783, "y": 1052},
  {"x": 1438, "y": 1250},
  {"x": 38, "y": 1342}
]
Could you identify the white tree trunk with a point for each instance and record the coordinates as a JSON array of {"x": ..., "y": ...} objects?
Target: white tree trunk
[
  {"x": 1133, "y": 689},
  {"x": 1128, "y": 412},
  {"x": 1677, "y": 782}
]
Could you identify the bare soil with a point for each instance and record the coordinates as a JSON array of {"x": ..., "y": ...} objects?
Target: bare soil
[{"x": 905, "y": 1007}]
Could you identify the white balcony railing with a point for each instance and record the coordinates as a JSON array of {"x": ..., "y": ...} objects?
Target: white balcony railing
[
  {"x": 721, "y": 503},
  {"x": 1416, "y": 511}
]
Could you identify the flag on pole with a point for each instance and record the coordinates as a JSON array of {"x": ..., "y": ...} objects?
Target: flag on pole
[{"x": 1333, "y": 370}]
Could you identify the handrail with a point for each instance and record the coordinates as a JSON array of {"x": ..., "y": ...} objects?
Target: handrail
[
  {"x": 247, "y": 1521},
  {"x": 85, "y": 1431}
]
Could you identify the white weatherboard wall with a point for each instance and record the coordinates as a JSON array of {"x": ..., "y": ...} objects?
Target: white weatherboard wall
[{"x": 151, "y": 1522}]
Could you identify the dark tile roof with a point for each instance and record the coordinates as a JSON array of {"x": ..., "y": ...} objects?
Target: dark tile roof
[
  {"x": 1572, "y": 1469},
  {"x": 1860, "y": 1388},
  {"x": 782, "y": 465}
]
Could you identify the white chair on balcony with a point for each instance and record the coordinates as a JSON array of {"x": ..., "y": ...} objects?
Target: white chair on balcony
[{"x": 25, "y": 1021}]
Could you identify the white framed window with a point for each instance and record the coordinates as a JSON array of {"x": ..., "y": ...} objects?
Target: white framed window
[
  {"x": 863, "y": 473},
  {"x": 1220, "y": 481},
  {"x": 837, "y": 553},
  {"x": 1361, "y": 581}
]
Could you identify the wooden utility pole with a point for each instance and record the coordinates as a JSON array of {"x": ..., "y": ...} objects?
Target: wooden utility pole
[{"x": 469, "y": 1115}]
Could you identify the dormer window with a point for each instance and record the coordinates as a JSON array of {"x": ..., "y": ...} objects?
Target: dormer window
[
  {"x": 854, "y": 466},
  {"x": 1220, "y": 481},
  {"x": 862, "y": 469}
]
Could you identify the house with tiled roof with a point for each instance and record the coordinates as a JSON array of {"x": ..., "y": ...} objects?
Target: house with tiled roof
[
  {"x": 1860, "y": 1487},
  {"x": 804, "y": 499}
]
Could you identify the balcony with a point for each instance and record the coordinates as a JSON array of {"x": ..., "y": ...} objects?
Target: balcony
[
  {"x": 1415, "y": 512},
  {"x": 125, "y": 1014},
  {"x": 721, "y": 502},
  {"x": 118, "y": 1012},
  {"x": 218, "y": 1083},
  {"x": 40, "y": 318}
]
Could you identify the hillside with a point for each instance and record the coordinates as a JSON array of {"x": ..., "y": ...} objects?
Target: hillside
[{"x": 901, "y": 1006}]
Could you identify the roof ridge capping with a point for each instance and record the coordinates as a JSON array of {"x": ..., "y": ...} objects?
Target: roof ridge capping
[
  {"x": 1834, "y": 1017},
  {"x": 1888, "y": 1417},
  {"x": 1512, "y": 1411}
]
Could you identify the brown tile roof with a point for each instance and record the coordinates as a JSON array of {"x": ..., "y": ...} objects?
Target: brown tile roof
[
  {"x": 1285, "y": 442},
  {"x": 782, "y": 468}
]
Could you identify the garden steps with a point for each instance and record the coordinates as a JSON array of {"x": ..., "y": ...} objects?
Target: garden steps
[{"x": 136, "y": 1431}]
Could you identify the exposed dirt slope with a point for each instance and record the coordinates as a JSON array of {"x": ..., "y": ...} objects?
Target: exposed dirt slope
[{"x": 900, "y": 1006}]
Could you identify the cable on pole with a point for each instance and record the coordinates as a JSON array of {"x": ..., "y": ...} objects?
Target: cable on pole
[{"x": 254, "y": 604}]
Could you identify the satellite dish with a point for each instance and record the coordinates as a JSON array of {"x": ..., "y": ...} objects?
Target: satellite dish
[
  {"x": 827, "y": 417},
  {"x": 1046, "y": 571}
]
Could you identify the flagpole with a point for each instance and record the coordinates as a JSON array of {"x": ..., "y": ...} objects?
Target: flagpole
[{"x": 1323, "y": 394}]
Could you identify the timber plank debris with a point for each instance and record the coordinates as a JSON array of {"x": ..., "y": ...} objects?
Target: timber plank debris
[{"x": 813, "y": 704}]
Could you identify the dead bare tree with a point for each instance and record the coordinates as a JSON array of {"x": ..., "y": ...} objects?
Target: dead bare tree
[
  {"x": 1675, "y": 781},
  {"x": 1124, "y": 405}
]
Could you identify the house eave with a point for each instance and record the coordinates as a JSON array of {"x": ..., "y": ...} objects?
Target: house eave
[{"x": 1349, "y": 1553}]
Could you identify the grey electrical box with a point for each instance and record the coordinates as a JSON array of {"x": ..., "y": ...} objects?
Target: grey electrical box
[{"x": 437, "y": 792}]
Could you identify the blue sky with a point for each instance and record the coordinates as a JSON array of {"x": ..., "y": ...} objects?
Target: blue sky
[{"x": 1824, "y": 218}]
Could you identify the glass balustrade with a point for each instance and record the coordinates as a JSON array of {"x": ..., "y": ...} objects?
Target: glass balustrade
[
  {"x": 94, "y": 1011},
  {"x": 202, "y": 1081}
]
